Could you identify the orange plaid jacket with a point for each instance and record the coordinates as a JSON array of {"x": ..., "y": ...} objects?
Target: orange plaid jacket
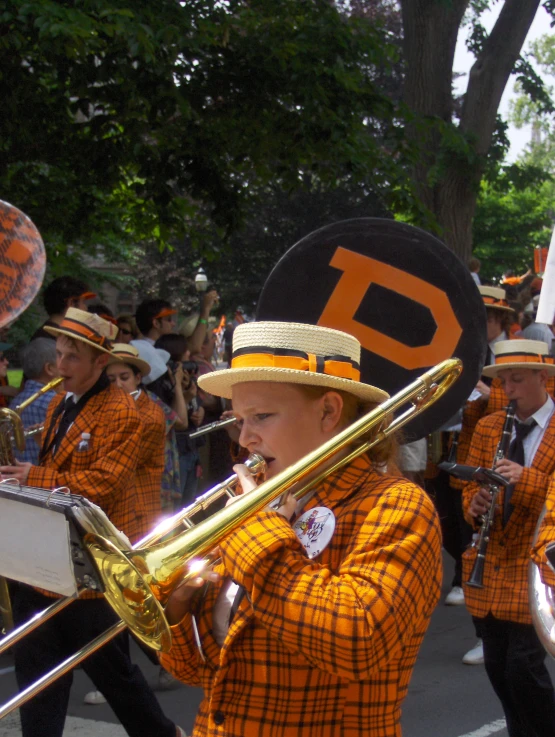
[
  {"x": 505, "y": 592},
  {"x": 474, "y": 411},
  {"x": 104, "y": 473},
  {"x": 150, "y": 466},
  {"x": 319, "y": 647}
]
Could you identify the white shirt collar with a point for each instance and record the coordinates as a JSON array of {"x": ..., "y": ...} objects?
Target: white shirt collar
[{"x": 543, "y": 414}]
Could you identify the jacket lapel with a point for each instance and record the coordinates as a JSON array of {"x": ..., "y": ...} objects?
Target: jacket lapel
[
  {"x": 84, "y": 422},
  {"x": 544, "y": 461}
]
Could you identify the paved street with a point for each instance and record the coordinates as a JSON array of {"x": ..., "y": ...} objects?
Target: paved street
[{"x": 446, "y": 698}]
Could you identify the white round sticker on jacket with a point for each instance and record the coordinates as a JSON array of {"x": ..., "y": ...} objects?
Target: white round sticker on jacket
[{"x": 314, "y": 530}]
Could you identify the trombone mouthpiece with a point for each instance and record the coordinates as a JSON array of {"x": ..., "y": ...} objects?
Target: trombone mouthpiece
[{"x": 256, "y": 464}]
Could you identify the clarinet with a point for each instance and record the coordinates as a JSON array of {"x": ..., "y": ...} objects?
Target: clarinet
[{"x": 476, "y": 579}]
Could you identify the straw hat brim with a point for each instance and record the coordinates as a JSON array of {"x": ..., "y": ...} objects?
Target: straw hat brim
[
  {"x": 220, "y": 383},
  {"x": 73, "y": 336},
  {"x": 495, "y": 368},
  {"x": 141, "y": 365},
  {"x": 502, "y": 308}
]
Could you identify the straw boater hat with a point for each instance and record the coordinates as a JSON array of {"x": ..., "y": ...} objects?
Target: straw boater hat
[
  {"x": 523, "y": 354},
  {"x": 294, "y": 354},
  {"x": 495, "y": 298},
  {"x": 86, "y": 327},
  {"x": 124, "y": 353}
]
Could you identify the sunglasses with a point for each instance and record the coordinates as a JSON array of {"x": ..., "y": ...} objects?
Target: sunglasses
[{"x": 124, "y": 331}]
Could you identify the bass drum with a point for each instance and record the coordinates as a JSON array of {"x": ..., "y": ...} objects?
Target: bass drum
[{"x": 406, "y": 297}]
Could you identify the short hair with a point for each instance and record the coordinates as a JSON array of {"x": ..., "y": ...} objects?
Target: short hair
[
  {"x": 147, "y": 311},
  {"x": 36, "y": 354},
  {"x": 474, "y": 264},
  {"x": 174, "y": 343},
  {"x": 58, "y": 293},
  {"x": 99, "y": 309}
]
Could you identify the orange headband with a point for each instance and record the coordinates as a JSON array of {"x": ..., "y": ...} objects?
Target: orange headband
[
  {"x": 339, "y": 366},
  {"x": 166, "y": 312}
]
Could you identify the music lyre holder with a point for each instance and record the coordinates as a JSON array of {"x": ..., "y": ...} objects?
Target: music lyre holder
[
  {"x": 473, "y": 473},
  {"x": 41, "y": 538}
]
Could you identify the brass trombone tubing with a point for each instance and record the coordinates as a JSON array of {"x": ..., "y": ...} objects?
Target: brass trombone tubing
[
  {"x": 421, "y": 393},
  {"x": 64, "y": 667}
]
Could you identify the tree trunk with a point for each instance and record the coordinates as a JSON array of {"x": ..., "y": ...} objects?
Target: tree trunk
[{"x": 430, "y": 35}]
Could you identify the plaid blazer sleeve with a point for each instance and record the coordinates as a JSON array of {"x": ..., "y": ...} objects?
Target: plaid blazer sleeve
[
  {"x": 480, "y": 453},
  {"x": 104, "y": 474},
  {"x": 352, "y": 622}
]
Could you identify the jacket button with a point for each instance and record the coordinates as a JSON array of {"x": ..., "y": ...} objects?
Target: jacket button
[{"x": 219, "y": 717}]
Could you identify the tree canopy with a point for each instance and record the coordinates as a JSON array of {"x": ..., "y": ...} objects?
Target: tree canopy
[{"x": 132, "y": 120}]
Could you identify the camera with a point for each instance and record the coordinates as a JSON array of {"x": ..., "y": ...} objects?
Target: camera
[{"x": 190, "y": 367}]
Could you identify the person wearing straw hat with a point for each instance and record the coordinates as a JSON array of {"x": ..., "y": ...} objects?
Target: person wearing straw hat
[
  {"x": 126, "y": 369},
  {"x": 488, "y": 397},
  {"x": 91, "y": 445},
  {"x": 318, "y": 609},
  {"x": 513, "y": 655}
]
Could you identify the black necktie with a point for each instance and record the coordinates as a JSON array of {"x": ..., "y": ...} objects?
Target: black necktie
[
  {"x": 516, "y": 448},
  {"x": 65, "y": 422},
  {"x": 516, "y": 454}
]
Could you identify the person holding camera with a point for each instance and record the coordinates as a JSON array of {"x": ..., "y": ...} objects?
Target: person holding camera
[{"x": 185, "y": 375}]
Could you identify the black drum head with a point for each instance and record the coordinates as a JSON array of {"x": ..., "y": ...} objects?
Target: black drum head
[{"x": 408, "y": 299}]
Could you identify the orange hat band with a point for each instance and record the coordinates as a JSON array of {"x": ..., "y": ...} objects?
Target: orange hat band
[
  {"x": 339, "y": 366},
  {"x": 523, "y": 358},
  {"x": 81, "y": 330},
  {"x": 493, "y": 301}
]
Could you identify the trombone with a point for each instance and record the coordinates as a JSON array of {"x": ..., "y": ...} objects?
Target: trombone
[{"x": 139, "y": 582}]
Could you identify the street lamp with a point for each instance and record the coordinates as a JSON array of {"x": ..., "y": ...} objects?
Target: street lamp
[{"x": 201, "y": 281}]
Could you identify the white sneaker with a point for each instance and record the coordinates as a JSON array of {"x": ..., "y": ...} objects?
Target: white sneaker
[
  {"x": 94, "y": 698},
  {"x": 455, "y": 597},
  {"x": 474, "y": 656}
]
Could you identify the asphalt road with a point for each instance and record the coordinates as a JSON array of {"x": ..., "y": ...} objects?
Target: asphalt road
[{"x": 446, "y": 698}]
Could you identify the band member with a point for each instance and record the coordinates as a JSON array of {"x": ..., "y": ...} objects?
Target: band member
[
  {"x": 126, "y": 369},
  {"x": 338, "y": 600},
  {"x": 513, "y": 655},
  {"x": 91, "y": 445}
]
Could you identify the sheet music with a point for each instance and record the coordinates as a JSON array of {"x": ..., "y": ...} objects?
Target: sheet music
[{"x": 35, "y": 548}]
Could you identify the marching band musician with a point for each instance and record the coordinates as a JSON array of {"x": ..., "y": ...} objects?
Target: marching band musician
[
  {"x": 91, "y": 445},
  {"x": 126, "y": 369},
  {"x": 319, "y": 609},
  {"x": 513, "y": 655}
]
